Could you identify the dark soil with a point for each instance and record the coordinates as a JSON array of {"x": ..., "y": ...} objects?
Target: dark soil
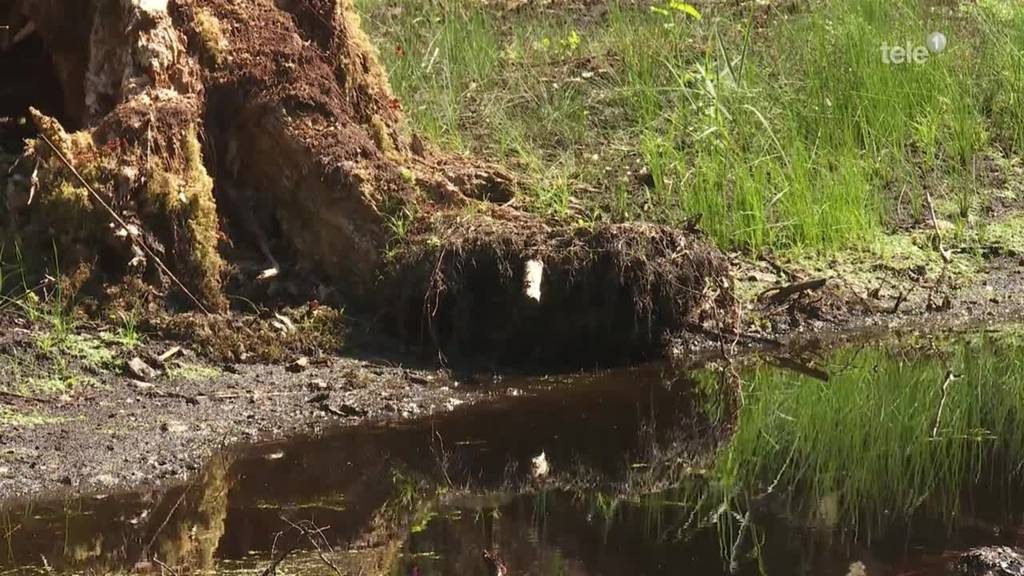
[
  {"x": 114, "y": 431},
  {"x": 840, "y": 310}
]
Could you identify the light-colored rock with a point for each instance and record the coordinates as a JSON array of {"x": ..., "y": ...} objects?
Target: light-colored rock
[
  {"x": 138, "y": 369},
  {"x": 539, "y": 466},
  {"x": 533, "y": 276}
]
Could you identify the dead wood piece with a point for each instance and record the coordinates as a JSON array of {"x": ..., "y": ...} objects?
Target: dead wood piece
[
  {"x": 137, "y": 368},
  {"x": 170, "y": 353},
  {"x": 779, "y": 294}
]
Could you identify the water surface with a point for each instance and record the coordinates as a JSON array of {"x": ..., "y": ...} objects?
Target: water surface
[{"x": 880, "y": 459}]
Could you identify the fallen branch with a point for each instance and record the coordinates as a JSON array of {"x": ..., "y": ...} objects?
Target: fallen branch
[
  {"x": 271, "y": 570},
  {"x": 308, "y": 532},
  {"x": 167, "y": 519},
  {"x": 900, "y": 298},
  {"x": 779, "y": 294},
  {"x": 165, "y": 567},
  {"x": 22, "y": 34},
  {"x": 192, "y": 400}
]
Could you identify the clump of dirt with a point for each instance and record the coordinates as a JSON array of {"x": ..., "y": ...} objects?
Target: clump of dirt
[
  {"x": 271, "y": 337},
  {"x": 500, "y": 286}
]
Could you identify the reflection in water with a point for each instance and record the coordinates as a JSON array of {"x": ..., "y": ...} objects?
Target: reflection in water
[
  {"x": 200, "y": 512},
  {"x": 894, "y": 432},
  {"x": 900, "y": 454},
  {"x": 180, "y": 527}
]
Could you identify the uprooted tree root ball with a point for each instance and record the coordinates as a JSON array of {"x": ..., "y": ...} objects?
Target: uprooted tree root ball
[
  {"x": 222, "y": 132},
  {"x": 499, "y": 285}
]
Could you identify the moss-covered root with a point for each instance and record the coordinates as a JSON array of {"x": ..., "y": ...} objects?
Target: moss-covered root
[
  {"x": 178, "y": 198},
  {"x": 166, "y": 199}
]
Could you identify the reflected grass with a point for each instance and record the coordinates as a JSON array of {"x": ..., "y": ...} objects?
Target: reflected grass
[
  {"x": 873, "y": 443},
  {"x": 866, "y": 452}
]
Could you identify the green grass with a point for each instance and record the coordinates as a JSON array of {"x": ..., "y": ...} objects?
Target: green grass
[
  {"x": 67, "y": 355},
  {"x": 10, "y": 417},
  {"x": 776, "y": 131},
  {"x": 192, "y": 371}
]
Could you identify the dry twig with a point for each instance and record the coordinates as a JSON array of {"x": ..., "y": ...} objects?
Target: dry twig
[
  {"x": 942, "y": 403},
  {"x": 308, "y": 532}
]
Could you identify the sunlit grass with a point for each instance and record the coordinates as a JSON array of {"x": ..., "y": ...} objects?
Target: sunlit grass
[
  {"x": 22, "y": 419},
  {"x": 789, "y": 131}
]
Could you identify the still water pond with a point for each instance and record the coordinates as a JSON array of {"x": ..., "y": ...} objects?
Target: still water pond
[{"x": 880, "y": 459}]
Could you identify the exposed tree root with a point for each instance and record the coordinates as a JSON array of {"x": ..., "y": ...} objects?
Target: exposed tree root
[
  {"x": 607, "y": 292},
  {"x": 213, "y": 127}
]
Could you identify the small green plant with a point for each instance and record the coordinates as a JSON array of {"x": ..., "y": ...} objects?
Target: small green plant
[
  {"x": 676, "y": 6},
  {"x": 126, "y": 334},
  {"x": 400, "y": 222},
  {"x": 18, "y": 418},
  {"x": 571, "y": 41},
  {"x": 192, "y": 371}
]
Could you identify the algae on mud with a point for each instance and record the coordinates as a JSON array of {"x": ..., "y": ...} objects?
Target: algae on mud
[{"x": 653, "y": 472}]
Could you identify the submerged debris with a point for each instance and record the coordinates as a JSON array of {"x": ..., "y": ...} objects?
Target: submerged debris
[
  {"x": 539, "y": 468},
  {"x": 990, "y": 561}
]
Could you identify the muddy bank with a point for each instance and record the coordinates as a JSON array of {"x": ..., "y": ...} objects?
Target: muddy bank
[
  {"x": 73, "y": 420},
  {"x": 81, "y": 421},
  {"x": 794, "y": 307}
]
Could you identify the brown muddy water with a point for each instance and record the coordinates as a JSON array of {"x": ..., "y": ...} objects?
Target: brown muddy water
[{"x": 879, "y": 459}]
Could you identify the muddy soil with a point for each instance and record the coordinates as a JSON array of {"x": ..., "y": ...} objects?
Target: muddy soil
[
  {"x": 839, "y": 309},
  {"x": 112, "y": 430},
  {"x": 115, "y": 431}
]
